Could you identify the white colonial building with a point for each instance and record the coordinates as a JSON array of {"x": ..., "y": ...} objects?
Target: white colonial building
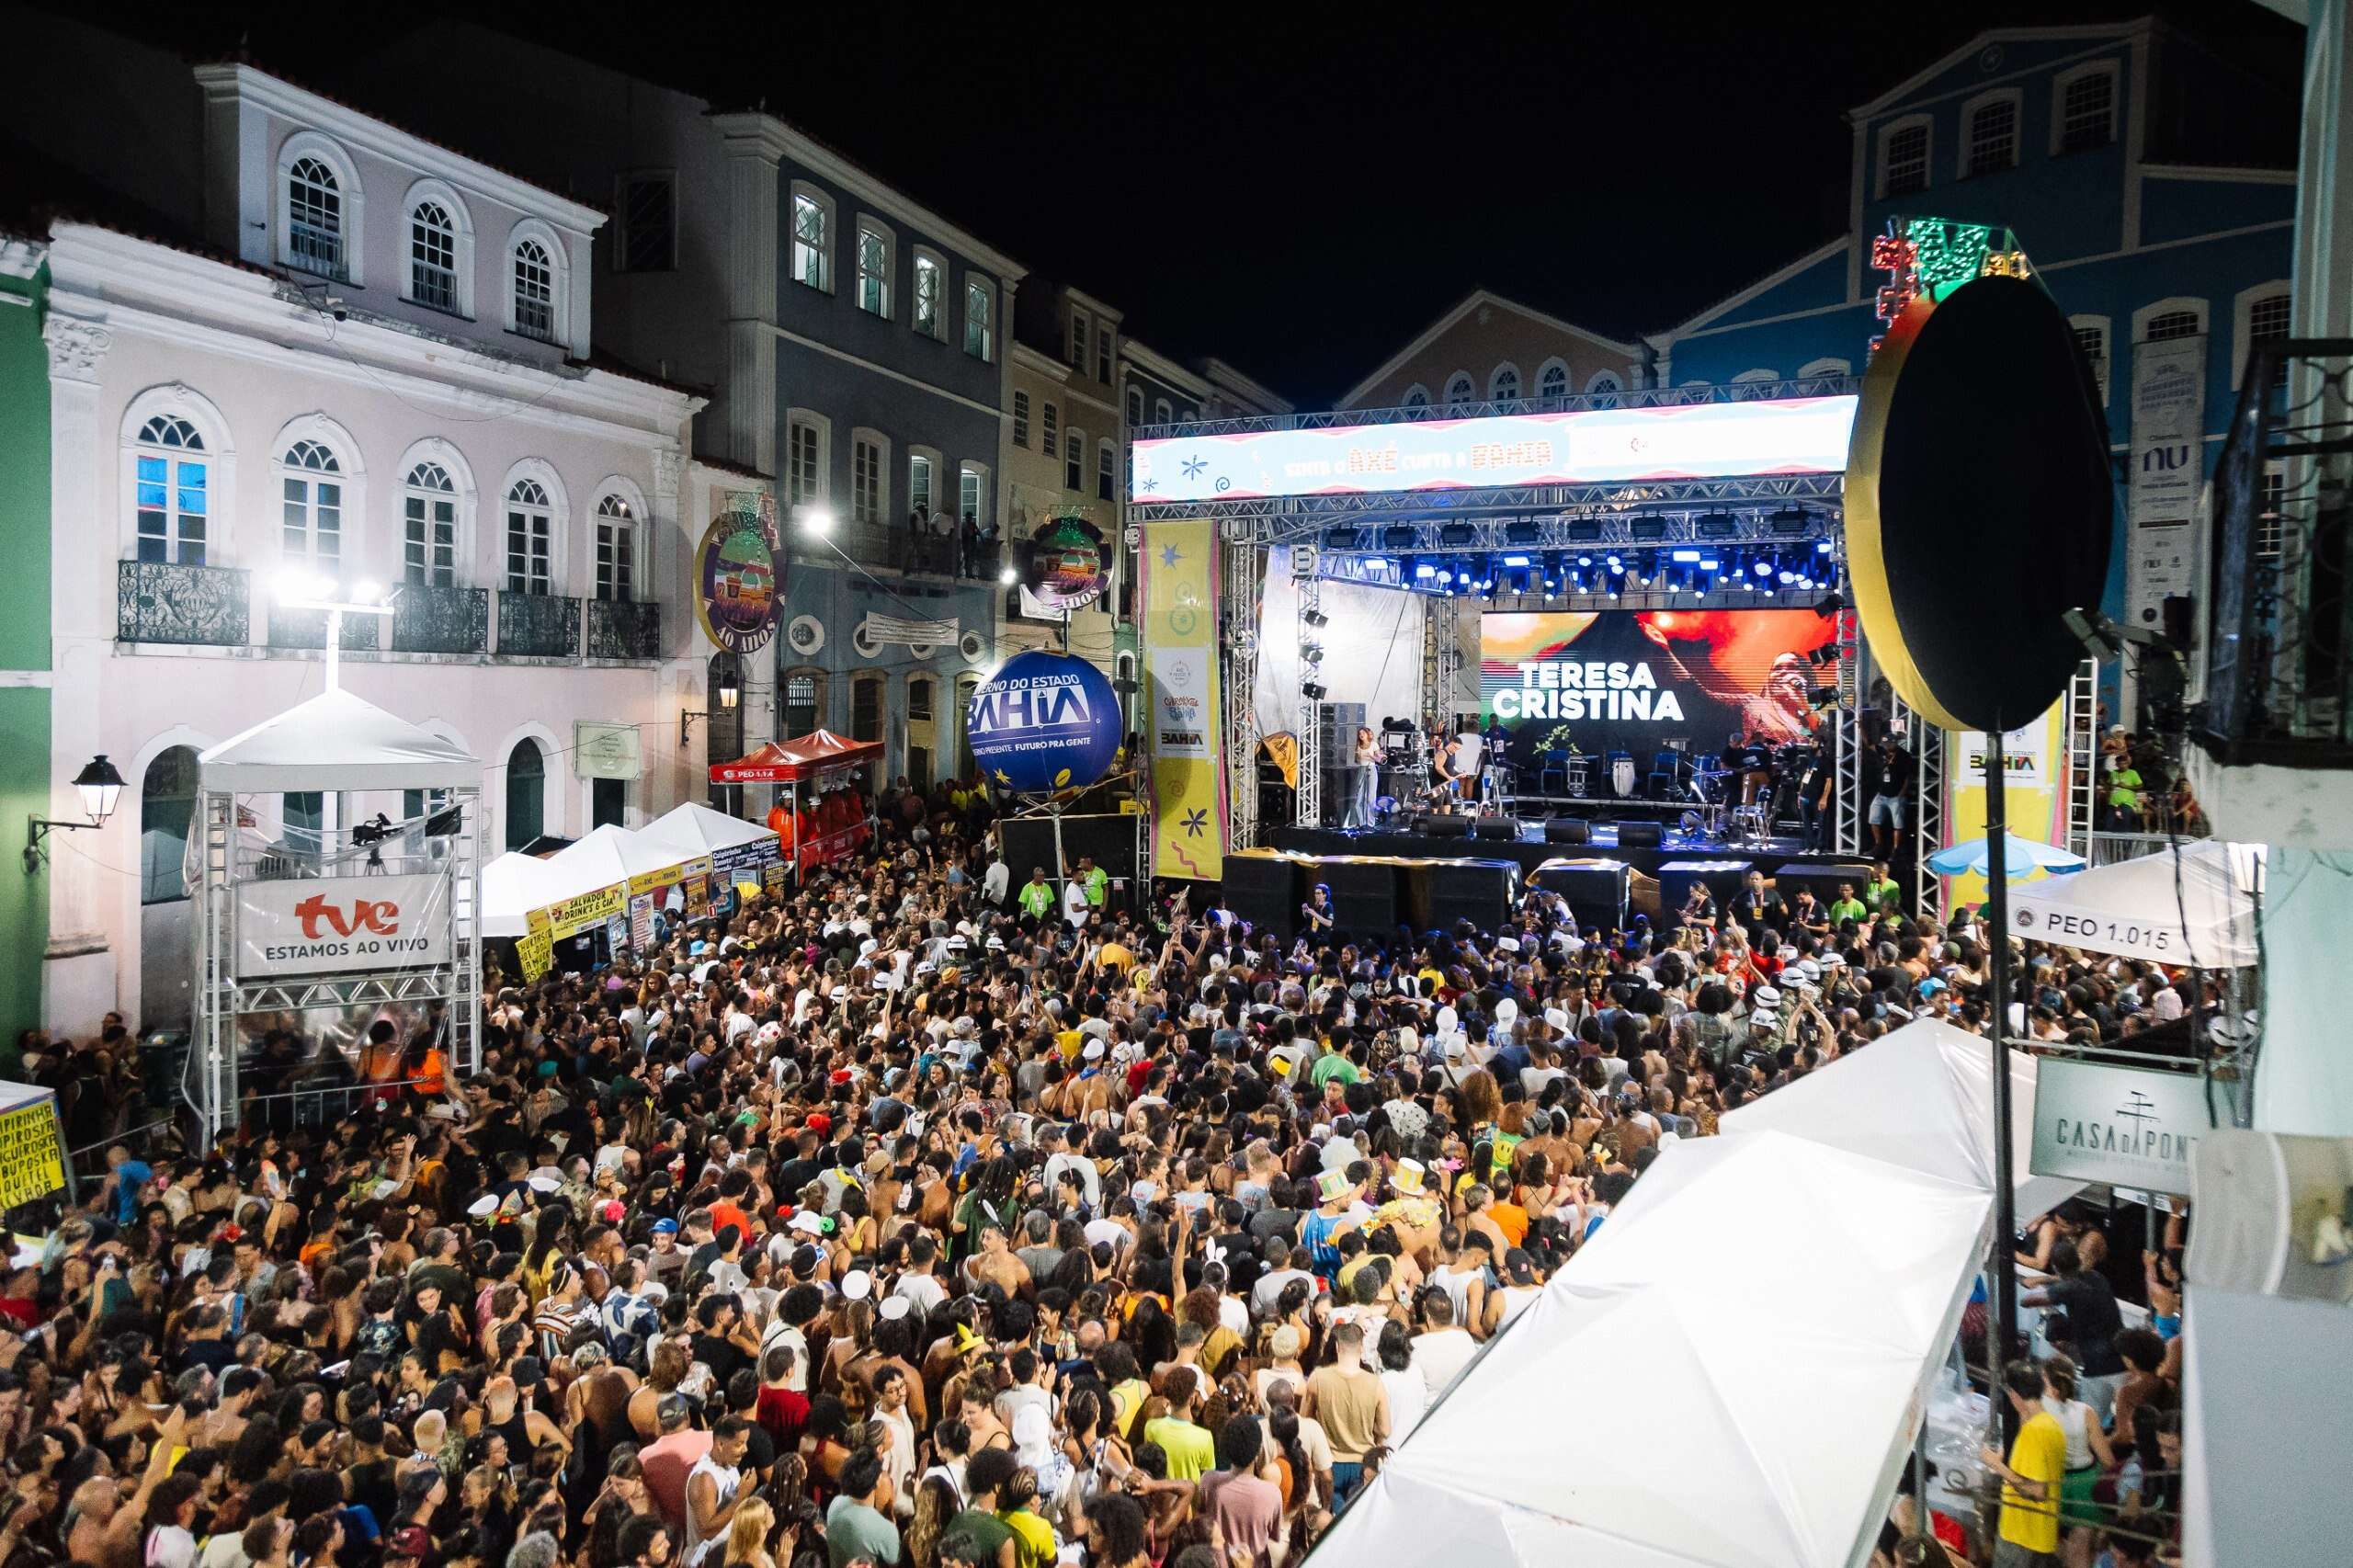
[{"x": 325, "y": 346}]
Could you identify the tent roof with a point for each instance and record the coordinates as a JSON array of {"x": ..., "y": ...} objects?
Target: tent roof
[
  {"x": 337, "y": 740},
  {"x": 1853, "y": 1271},
  {"x": 512, "y": 886},
  {"x": 15, "y": 1096},
  {"x": 2190, "y": 903},
  {"x": 698, "y": 830},
  {"x": 1921, "y": 1097},
  {"x": 805, "y": 757},
  {"x": 611, "y": 855}
]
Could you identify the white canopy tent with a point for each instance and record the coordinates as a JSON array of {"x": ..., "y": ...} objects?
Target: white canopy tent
[
  {"x": 2187, "y": 903},
  {"x": 694, "y": 829},
  {"x": 1921, "y": 1097},
  {"x": 337, "y": 743},
  {"x": 609, "y": 856},
  {"x": 514, "y": 884},
  {"x": 1727, "y": 1374}
]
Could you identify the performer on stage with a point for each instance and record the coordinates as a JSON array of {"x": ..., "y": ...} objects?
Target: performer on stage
[
  {"x": 1447, "y": 766},
  {"x": 1364, "y": 781}
]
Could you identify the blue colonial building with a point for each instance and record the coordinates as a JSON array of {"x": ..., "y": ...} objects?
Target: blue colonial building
[{"x": 2149, "y": 180}]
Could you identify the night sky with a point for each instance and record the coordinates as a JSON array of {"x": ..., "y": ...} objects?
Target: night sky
[{"x": 1301, "y": 195}]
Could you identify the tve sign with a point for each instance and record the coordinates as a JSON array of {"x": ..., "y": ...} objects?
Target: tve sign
[
  {"x": 2126, "y": 1126},
  {"x": 341, "y": 925}
]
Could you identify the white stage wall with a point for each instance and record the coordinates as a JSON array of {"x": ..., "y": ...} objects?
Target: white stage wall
[{"x": 1373, "y": 649}]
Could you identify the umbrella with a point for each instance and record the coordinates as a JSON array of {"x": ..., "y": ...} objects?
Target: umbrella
[{"x": 2019, "y": 858}]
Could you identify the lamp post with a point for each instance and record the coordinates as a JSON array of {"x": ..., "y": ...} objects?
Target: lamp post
[{"x": 101, "y": 787}]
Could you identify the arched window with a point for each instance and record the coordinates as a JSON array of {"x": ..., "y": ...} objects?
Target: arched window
[
  {"x": 311, "y": 508},
  {"x": 1135, "y": 406},
  {"x": 174, "y": 498},
  {"x": 1107, "y": 472},
  {"x": 2168, "y": 325},
  {"x": 616, "y": 548},
  {"x": 1460, "y": 391},
  {"x": 1417, "y": 396},
  {"x": 1604, "y": 387},
  {"x": 166, "y": 805},
  {"x": 429, "y": 526},
  {"x": 1990, "y": 142},
  {"x": 1075, "y": 460},
  {"x": 1552, "y": 381},
  {"x": 531, "y": 539},
  {"x": 1161, "y": 413},
  {"x": 534, "y": 290},
  {"x": 314, "y": 237},
  {"x": 527, "y": 776},
  {"x": 432, "y": 256},
  {"x": 1504, "y": 385}
]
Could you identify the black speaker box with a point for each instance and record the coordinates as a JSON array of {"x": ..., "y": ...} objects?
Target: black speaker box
[
  {"x": 1364, "y": 894},
  {"x": 1640, "y": 836},
  {"x": 1439, "y": 892},
  {"x": 1724, "y": 879},
  {"x": 1265, "y": 889},
  {"x": 1432, "y": 826},
  {"x": 1504, "y": 828},
  {"x": 1594, "y": 889},
  {"x": 1568, "y": 830},
  {"x": 1824, "y": 880}
]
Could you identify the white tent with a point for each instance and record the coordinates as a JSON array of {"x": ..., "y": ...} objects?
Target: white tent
[
  {"x": 610, "y": 856},
  {"x": 694, "y": 829},
  {"x": 1921, "y": 1097},
  {"x": 1727, "y": 1374},
  {"x": 337, "y": 742},
  {"x": 514, "y": 884},
  {"x": 2187, "y": 903}
]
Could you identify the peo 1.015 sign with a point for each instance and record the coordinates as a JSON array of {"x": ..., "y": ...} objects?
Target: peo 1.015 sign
[
  {"x": 341, "y": 925},
  {"x": 2126, "y": 1126}
]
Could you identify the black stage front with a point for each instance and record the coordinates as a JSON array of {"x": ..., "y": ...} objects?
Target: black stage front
[{"x": 1530, "y": 850}]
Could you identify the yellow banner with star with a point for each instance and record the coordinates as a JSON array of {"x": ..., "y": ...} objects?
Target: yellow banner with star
[{"x": 1187, "y": 736}]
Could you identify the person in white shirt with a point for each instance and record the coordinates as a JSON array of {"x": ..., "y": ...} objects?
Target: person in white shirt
[
  {"x": 1075, "y": 908},
  {"x": 1442, "y": 1349},
  {"x": 998, "y": 881}
]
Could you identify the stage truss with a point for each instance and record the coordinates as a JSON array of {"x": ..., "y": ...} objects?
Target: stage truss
[
  {"x": 1238, "y": 680},
  {"x": 1308, "y": 811}
]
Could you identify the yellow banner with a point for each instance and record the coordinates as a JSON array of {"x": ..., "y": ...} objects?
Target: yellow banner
[
  {"x": 1186, "y": 723},
  {"x": 32, "y": 1159},
  {"x": 655, "y": 881},
  {"x": 772, "y": 880},
  {"x": 2035, "y": 786},
  {"x": 536, "y": 952},
  {"x": 579, "y": 912}
]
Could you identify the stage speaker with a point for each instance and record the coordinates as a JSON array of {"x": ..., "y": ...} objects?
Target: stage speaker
[
  {"x": 1640, "y": 836},
  {"x": 1568, "y": 830},
  {"x": 1265, "y": 889},
  {"x": 1433, "y": 827},
  {"x": 1822, "y": 878},
  {"x": 1594, "y": 890},
  {"x": 1723, "y": 880},
  {"x": 1364, "y": 894},
  {"x": 1439, "y": 892},
  {"x": 1504, "y": 828}
]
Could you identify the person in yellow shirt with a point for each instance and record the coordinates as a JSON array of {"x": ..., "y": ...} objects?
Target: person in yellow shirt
[{"x": 2031, "y": 1477}]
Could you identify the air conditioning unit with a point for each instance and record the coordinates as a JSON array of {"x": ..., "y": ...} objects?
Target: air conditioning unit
[{"x": 805, "y": 635}]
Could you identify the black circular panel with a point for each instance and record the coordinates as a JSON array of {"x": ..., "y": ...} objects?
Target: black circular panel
[{"x": 1979, "y": 504}]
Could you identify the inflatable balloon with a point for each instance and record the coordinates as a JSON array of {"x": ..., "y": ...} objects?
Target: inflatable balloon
[{"x": 1044, "y": 721}]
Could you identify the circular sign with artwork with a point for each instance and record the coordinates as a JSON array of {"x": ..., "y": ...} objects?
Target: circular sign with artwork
[
  {"x": 1063, "y": 564},
  {"x": 738, "y": 588},
  {"x": 1044, "y": 721}
]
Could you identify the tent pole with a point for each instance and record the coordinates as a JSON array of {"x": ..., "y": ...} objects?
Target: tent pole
[{"x": 2006, "y": 1220}]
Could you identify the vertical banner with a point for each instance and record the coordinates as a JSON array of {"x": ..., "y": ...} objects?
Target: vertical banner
[
  {"x": 2034, "y": 769},
  {"x": 2168, "y": 469},
  {"x": 1177, "y": 564}
]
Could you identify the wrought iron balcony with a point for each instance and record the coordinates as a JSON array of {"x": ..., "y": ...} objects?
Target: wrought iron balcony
[
  {"x": 158, "y": 601},
  {"x": 624, "y": 628},
  {"x": 2278, "y": 682},
  {"x": 543, "y": 626},
  {"x": 308, "y": 629},
  {"x": 429, "y": 619}
]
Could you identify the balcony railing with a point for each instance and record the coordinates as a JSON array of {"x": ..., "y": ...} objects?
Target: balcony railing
[
  {"x": 308, "y": 629},
  {"x": 162, "y": 602},
  {"x": 894, "y": 548},
  {"x": 539, "y": 625},
  {"x": 2278, "y": 682},
  {"x": 432, "y": 620},
  {"x": 624, "y": 628}
]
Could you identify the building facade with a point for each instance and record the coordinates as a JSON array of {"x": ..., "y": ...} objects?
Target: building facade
[
  {"x": 25, "y": 669},
  {"x": 1490, "y": 349},
  {"x": 2150, "y": 182},
  {"x": 332, "y": 356},
  {"x": 1067, "y": 457}
]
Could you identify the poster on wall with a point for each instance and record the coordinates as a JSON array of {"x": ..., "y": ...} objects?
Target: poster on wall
[
  {"x": 739, "y": 578},
  {"x": 32, "y": 1154},
  {"x": 340, "y": 924},
  {"x": 2167, "y": 476},
  {"x": 1178, "y": 567},
  {"x": 1644, "y": 679},
  {"x": 605, "y": 751}
]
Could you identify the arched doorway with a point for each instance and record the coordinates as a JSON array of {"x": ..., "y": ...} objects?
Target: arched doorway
[
  {"x": 527, "y": 793},
  {"x": 167, "y": 812}
]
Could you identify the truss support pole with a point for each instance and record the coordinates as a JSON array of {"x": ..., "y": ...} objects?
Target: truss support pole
[
  {"x": 1847, "y": 802},
  {"x": 1310, "y": 794},
  {"x": 1239, "y": 607}
]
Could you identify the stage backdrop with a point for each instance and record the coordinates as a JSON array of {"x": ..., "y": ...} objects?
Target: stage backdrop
[
  {"x": 1373, "y": 649},
  {"x": 1640, "y": 679},
  {"x": 1177, "y": 568}
]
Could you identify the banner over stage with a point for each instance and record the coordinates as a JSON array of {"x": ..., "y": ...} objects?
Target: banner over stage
[
  {"x": 1184, "y": 722},
  {"x": 1592, "y": 446}
]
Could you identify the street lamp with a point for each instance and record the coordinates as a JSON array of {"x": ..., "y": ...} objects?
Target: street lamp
[
  {"x": 101, "y": 787},
  {"x": 816, "y": 519},
  {"x": 298, "y": 589}
]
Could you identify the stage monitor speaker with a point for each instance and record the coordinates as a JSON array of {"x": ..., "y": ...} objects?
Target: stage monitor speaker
[
  {"x": 1434, "y": 826},
  {"x": 1439, "y": 892},
  {"x": 1594, "y": 889},
  {"x": 1640, "y": 836},
  {"x": 1822, "y": 878},
  {"x": 1265, "y": 889},
  {"x": 1723, "y": 880},
  {"x": 1568, "y": 830},
  {"x": 1504, "y": 828},
  {"x": 1364, "y": 894}
]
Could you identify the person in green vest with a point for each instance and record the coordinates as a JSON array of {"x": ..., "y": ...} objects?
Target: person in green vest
[
  {"x": 2124, "y": 798},
  {"x": 1881, "y": 892},
  {"x": 1847, "y": 906},
  {"x": 1094, "y": 879},
  {"x": 1038, "y": 895}
]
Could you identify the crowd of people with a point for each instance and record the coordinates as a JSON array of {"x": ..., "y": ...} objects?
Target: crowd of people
[{"x": 906, "y": 1220}]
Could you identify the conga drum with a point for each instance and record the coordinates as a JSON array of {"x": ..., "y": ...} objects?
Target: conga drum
[{"x": 1621, "y": 776}]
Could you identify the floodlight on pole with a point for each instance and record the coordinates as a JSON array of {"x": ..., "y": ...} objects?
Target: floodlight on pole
[{"x": 300, "y": 590}]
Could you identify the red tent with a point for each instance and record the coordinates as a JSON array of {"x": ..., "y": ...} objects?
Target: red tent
[{"x": 811, "y": 757}]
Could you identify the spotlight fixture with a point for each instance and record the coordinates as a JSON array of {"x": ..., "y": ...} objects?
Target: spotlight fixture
[
  {"x": 1343, "y": 538},
  {"x": 1717, "y": 525},
  {"x": 1649, "y": 529},
  {"x": 1791, "y": 522},
  {"x": 1315, "y": 617},
  {"x": 1454, "y": 536},
  {"x": 1311, "y": 653},
  {"x": 1582, "y": 530},
  {"x": 1523, "y": 530},
  {"x": 1830, "y": 604},
  {"x": 1399, "y": 537},
  {"x": 1310, "y": 690}
]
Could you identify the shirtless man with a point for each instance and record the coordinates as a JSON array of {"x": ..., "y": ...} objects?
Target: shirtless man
[{"x": 995, "y": 1263}]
